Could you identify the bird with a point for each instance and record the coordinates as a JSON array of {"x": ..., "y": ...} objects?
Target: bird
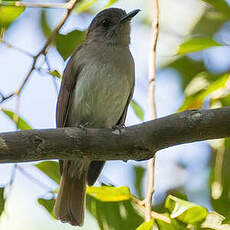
[{"x": 96, "y": 89}]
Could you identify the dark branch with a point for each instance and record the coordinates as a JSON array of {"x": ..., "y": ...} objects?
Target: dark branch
[{"x": 136, "y": 142}]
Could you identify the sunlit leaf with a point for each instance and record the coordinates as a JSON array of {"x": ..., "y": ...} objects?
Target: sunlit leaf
[
  {"x": 47, "y": 204},
  {"x": 197, "y": 44},
  {"x": 113, "y": 215},
  {"x": 44, "y": 24},
  {"x": 21, "y": 124},
  {"x": 137, "y": 109},
  {"x": 84, "y": 5},
  {"x": 146, "y": 225},
  {"x": 8, "y": 14},
  {"x": 196, "y": 101},
  {"x": 185, "y": 211},
  {"x": 109, "y": 194},
  {"x": 111, "y": 2},
  {"x": 173, "y": 225},
  {"x": 221, "y": 5},
  {"x": 225, "y": 100},
  {"x": 2, "y": 200},
  {"x": 51, "y": 169},
  {"x": 214, "y": 221},
  {"x": 56, "y": 73},
  {"x": 66, "y": 43},
  {"x": 191, "y": 103}
]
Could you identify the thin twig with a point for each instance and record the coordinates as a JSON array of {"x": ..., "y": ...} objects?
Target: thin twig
[
  {"x": 154, "y": 215},
  {"x": 13, "y": 174},
  {"x": 152, "y": 74},
  {"x": 34, "y": 180},
  {"x": 16, "y": 48},
  {"x": 71, "y": 5},
  {"x": 216, "y": 188},
  {"x": 56, "y": 5},
  {"x": 5, "y": 98},
  {"x": 49, "y": 70}
]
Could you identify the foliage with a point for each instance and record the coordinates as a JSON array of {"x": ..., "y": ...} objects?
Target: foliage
[
  {"x": 197, "y": 44},
  {"x": 8, "y": 14},
  {"x": 51, "y": 169},
  {"x": 2, "y": 200},
  {"x": 20, "y": 123},
  {"x": 137, "y": 109}
]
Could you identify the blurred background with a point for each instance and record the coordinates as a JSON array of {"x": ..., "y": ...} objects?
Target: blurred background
[{"x": 193, "y": 62}]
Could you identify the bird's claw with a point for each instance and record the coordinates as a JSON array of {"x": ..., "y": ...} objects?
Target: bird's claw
[{"x": 118, "y": 129}]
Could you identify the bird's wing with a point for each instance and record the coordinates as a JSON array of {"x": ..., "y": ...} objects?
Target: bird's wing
[
  {"x": 121, "y": 121},
  {"x": 65, "y": 97}
]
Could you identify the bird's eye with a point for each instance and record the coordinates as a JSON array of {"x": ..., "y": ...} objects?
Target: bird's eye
[{"x": 106, "y": 23}]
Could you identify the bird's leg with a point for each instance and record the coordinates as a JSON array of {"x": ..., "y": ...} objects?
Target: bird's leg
[
  {"x": 83, "y": 126},
  {"x": 118, "y": 129}
]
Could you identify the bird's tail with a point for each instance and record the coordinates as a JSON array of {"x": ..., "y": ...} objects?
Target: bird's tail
[{"x": 69, "y": 206}]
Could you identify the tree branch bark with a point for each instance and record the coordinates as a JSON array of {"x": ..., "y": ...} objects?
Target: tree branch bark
[{"x": 136, "y": 142}]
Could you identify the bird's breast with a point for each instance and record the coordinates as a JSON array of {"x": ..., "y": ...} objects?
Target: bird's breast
[{"x": 102, "y": 91}]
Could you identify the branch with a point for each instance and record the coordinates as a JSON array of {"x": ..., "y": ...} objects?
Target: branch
[
  {"x": 152, "y": 77},
  {"x": 16, "y": 48},
  {"x": 69, "y": 6},
  {"x": 136, "y": 142},
  {"x": 36, "y": 4}
]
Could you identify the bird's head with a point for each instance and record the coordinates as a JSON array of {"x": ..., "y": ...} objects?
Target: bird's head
[{"x": 111, "y": 26}]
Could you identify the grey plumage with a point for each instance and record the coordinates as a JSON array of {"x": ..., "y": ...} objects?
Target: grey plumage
[{"x": 96, "y": 89}]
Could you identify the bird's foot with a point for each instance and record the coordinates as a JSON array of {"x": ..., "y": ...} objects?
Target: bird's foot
[
  {"x": 118, "y": 129},
  {"x": 83, "y": 126}
]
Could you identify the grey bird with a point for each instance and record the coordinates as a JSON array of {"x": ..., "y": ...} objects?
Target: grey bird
[{"x": 96, "y": 89}]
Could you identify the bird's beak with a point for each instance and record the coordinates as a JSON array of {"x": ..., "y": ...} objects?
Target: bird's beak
[{"x": 129, "y": 16}]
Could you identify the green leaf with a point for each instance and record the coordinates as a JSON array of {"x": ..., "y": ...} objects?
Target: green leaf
[
  {"x": 174, "y": 225},
  {"x": 138, "y": 179},
  {"x": 51, "y": 169},
  {"x": 21, "y": 124},
  {"x": 225, "y": 100},
  {"x": 66, "y": 43},
  {"x": 146, "y": 225},
  {"x": 111, "y": 2},
  {"x": 109, "y": 194},
  {"x": 219, "y": 178},
  {"x": 56, "y": 73},
  {"x": 8, "y": 14},
  {"x": 44, "y": 24},
  {"x": 196, "y": 101},
  {"x": 197, "y": 44},
  {"x": 185, "y": 211},
  {"x": 2, "y": 200},
  {"x": 210, "y": 17},
  {"x": 220, "y": 83},
  {"x": 137, "y": 109},
  {"x": 213, "y": 220},
  {"x": 47, "y": 204},
  {"x": 113, "y": 215},
  {"x": 221, "y": 5},
  {"x": 84, "y": 5}
]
